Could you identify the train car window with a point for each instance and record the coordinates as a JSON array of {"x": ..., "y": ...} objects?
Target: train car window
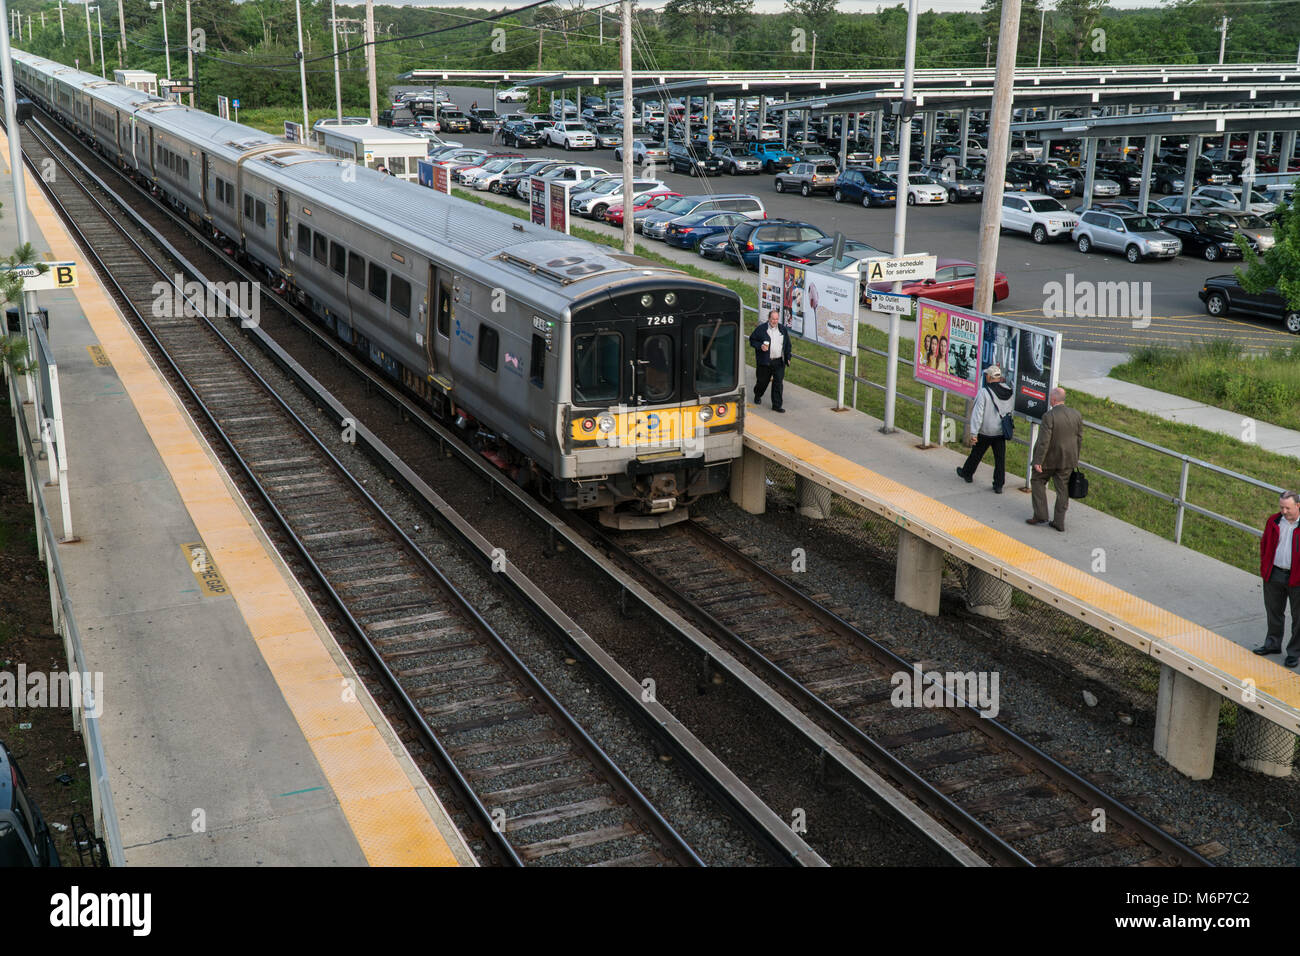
[
  {"x": 261, "y": 214},
  {"x": 488, "y": 340},
  {"x": 537, "y": 362},
  {"x": 320, "y": 251},
  {"x": 185, "y": 163},
  {"x": 401, "y": 296},
  {"x": 660, "y": 371},
  {"x": 356, "y": 270},
  {"x": 338, "y": 258},
  {"x": 248, "y": 207},
  {"x": 378, "y": 282},
  {"x": 397, "y": 165},
  {"x": 597, "y": 361},
  {"x": 444, "y": 309},
  {"x": 304, "y": 239},
  {"x": 715, "y": 357}
]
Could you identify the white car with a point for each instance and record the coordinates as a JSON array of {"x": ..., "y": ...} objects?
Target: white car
[
  {"x": 573, "y": 174},
  {"x": 1230, "y": 197},
  {"x": 482, "y": 177},
  {"x": 516, "y": 94},
  {"x": 765, "y": 132},
  {"x": 571, "y": 135},
  {"x": 924, "y": 191},
  {"x": 605, "y": 193},
  {"x": 1039, "y": 215}
]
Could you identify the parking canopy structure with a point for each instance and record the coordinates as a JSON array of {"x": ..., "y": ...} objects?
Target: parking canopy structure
[{"x": 1194, "y": 125}]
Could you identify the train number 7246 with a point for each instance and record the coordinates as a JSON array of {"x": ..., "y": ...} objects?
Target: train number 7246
[{"x": 658, "y": 319}]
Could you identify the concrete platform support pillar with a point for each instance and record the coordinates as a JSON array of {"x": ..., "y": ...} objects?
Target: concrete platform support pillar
[
  {"x": 987, "y": 595},
  {"x": 919, "y": 576},
  {"x": 749, "y": 482},
  {"x": 814, "y": 501},
  {"x": 1187, "y": 724},
  {"x": 1262, "y": 746}
]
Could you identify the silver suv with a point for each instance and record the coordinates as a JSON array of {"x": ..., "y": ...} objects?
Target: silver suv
[
  {"x": 1041, "y": 216},
  {"x": 1135, "y": 235}
]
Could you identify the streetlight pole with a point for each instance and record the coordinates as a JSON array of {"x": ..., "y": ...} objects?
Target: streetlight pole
[
  {"x": 189, "y": 51},
  {"x": 99, "y": 25},
  {"x": 167, "y": 49},
  {"x": 338, "y": 84},
  {"x": 629, "y": 182},
  {"x": 90, "y": 40},
  {"x": 1042, "y": 23},
  {"x": 1223, "y": 38},
  {"x": 121, "y": 35},
  {"x": 302, "y": 71},
  {"x": 900, "y": 210}
]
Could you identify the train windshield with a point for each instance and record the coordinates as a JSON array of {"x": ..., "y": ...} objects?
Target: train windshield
[
  {"x": 658, "y": 370},
  {"x": 715, "y": 357},
  {"x": 597, "y": 361}
]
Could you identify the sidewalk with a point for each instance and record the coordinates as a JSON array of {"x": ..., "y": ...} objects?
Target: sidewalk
[{"x": 1084, "y": 371}]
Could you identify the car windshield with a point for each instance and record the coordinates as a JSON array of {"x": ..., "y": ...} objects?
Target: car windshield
[
  {"x": 1140, "y": 224},
  {"x": 1046, "y": 205},
  {"x": 1223, "y": 222},
  {"x": 1251, "y": 222},
  {"x": 681, "y": 204}
]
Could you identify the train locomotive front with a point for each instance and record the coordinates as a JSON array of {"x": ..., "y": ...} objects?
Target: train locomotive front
[{"x": 654, "y": 410}]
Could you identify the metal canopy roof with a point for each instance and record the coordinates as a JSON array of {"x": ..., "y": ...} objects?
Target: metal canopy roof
[{"x": 1188, "y": 122}]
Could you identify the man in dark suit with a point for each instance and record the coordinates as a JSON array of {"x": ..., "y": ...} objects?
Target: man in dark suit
[
  {"x": 1057, "y": 451},
  {"x": 1279, "y": 565},
  {"x": 772, "y": 353}
]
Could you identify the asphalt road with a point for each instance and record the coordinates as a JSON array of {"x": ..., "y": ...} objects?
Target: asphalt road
[{"x": 1164, "y": 307}]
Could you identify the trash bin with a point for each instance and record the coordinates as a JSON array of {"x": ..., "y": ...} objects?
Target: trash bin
[{"x": 14, "y": 320}]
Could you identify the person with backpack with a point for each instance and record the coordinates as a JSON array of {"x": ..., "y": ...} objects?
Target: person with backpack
[{"x": 990, "y": 427}]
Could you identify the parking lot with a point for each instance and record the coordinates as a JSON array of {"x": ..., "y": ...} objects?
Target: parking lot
[{"x": 1163, "y": 305}]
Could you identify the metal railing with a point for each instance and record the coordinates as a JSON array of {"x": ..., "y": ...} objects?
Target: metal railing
[
  {"x": 1180, "y": 501},
  {"x": 65, "y": 624}
]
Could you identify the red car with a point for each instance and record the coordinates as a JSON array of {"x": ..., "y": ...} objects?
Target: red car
[
  {"x": 614, "y": 214},
  {"x": 953, "y": 282}
]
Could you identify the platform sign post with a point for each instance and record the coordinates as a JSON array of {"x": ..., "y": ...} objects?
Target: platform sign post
[
  {"x": 235, "y": 106},
  {"x": 293, "y": 132}
]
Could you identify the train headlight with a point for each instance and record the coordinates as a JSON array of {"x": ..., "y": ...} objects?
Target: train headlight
[
  {"x": 606, "y": 423},
  {"x": 705, "y": 413},
  {"x": 647, "y": 301},
  {"x": 588, "y": 424},
  {"x": 670, "y": 298}
]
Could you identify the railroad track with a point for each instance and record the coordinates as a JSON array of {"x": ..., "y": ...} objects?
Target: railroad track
[
  {"x": 960, "y": 765},
  {"x": 541, "y": 790}
]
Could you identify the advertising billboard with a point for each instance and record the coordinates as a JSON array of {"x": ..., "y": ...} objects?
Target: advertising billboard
[
  {"x": 817, "y": 306},
  {"x": 954, "y": 346},
  {"x": 558, "y": 207},
  {"x": 537, "y": 200}
]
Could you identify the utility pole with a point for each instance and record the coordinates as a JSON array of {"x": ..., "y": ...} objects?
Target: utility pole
[
  {"x": 540, "y": 33},
  {"x": 90, "y": 41},
  {"x": 996, "y": 164},
  {"x": 1223, "y": 38},
  {"x": 302, "y": 70},
  {"x": 1042, "y": 23},
  {"x": 900, "y": 209},
  {"x": 167, "y": 48},
  {"x": 629, "y": 182},
  {"x": 338, "y": 84},
  {"x": 121, "y": 35},
  {"x": 189, "y": 52},
  {"x": 812, "y": 65},
  {"x": 99, "y": 25},
  {"x": 63, "y": 36},
  {"x": 370, "y": 62},
  {"x": 601, "y": 12},
  {"x": 988, "y": 49}
]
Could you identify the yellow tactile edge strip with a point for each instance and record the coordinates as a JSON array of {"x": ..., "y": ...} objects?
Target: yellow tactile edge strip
[
  {"x": 390, "y": 822},
  {"x": 1196, "y": 651}
]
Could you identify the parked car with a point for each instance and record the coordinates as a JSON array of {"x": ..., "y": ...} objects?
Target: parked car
[
  {"x": 483, "y": 120},
  {"x": 1224, "y": 294},
  {"x": 692, "y": 161},
  {"x": 516, "y": 94},
  {"x": 1138, "y": 237},
  {"x": 1128, "y": 175},
  {"x": 521, "y": 133},
  {"x": 495, "y": 180},
  {"x": 736, "y": 161},
  {"x": 454, "y": 120},
  {"x": 1166, "y": 179},
  {"x": 655, "y": 224},
  {"x": 1255, "y": 228},
  {"x": 764, "y": 132},
  {"x": 807, "y": 178},
  {"x": 1047, "y": 179},
  {"x": 490, "y": 171},
  {"x": 962, "y": 184},
  {"x": 1230, "y": 198},
  {"x": 817, "y": 252},
  {"x": 607, "y": 135},
  {"x": 752, "y": 239},
  {"x": 593, "y": 203},
  {"x": 866, "y": 186},
  {"x": 509, "y": 183},
  {"x": 644, "y": 203},
  {"x": 563, "y": 109},
  {"x": 1039, "y": 216},
  {"x": 687, "y": 232},
  {"x": 25, "y": 838},
  {"x": 644, "y": 151},
  {"x": 1203, "y": 236},
  {"x": 774, "y": 156},
  {"x": 570, "y": 134},
  {"x": 714, "y": 247},
  {"x": 953, "y": 283},
  {"x": 1176, "y": 206},
  {"x": 396, "y": 118},
  {"x": 924, "y": 191}
]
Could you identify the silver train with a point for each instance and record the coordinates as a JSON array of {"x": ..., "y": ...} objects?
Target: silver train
[{"x": 603, "y": 380}]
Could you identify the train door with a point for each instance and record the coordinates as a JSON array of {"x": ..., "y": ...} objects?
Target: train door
[
  {"x": 153, "y": 156},
  {"x": 203, "y": 188},
  {"x": 282, "y": 232},
  {"x": 655, "y": 381},
  {"x": 437, "y": 339}
]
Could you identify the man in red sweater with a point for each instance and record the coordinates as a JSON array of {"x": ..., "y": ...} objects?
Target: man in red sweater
[{"x": 1279, "y": 565}]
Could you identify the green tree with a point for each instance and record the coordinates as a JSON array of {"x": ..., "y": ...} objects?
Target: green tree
[{"x": 1278, "y": 267}]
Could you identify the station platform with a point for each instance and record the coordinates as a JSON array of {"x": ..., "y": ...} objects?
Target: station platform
[
  {"x": 1197, "y": 616},
  {"x": 235, "y": 730}
]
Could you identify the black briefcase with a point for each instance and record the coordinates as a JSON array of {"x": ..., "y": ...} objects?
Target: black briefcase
[{"x": 1078, "y": 484}]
